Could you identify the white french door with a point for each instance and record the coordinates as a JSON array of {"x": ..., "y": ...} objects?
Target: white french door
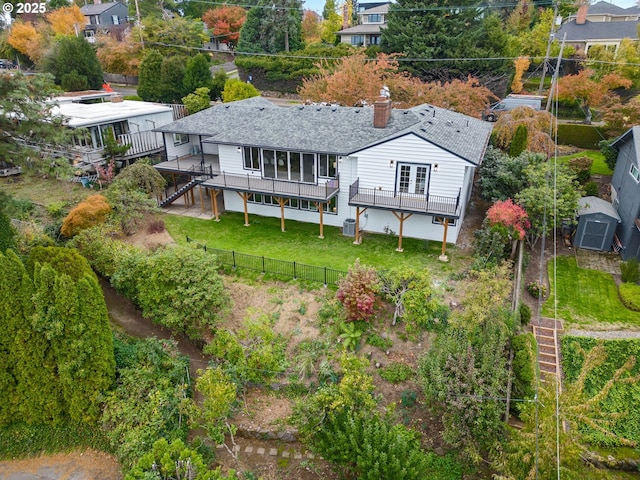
[{"x": 412, "y": 178}]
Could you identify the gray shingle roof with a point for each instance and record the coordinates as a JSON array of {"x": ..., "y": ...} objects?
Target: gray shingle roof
[
  {"x": 633, "y": 134},
  {"x": 377, "y": 9},
  {"x": 589, "y": 205},
  {"x": 97, "y": 9},
  {"x": 367, "y": 28},
  {"x": 608, "y": 8},
  {"x": 599, "y": 30},
  {"x": 332, "y": 129}
]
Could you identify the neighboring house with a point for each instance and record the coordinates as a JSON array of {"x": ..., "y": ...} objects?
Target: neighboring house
[
  {"x": 600, "y": 24},
  {"x": 377, "y": 169},
  {"x": 625, "y": 193},
  {"x": 367, "y": 32},
  {"x": 104, "y": 17},
  {"x": 96, "y": 113}
]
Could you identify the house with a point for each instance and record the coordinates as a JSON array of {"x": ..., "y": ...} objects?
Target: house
[
  {"x": 95, "y": 113},
  {"x": 377, "y": 169},
  {"x": 625, "y": 193},
  {"x": 600, "y": 24},
  {"x": 109, "y": 17},
  {"x": 368, "y": 30}
]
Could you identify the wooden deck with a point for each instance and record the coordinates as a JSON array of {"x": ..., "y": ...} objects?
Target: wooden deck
[
  {"x": 207, "y": 164},
  {"x": 403, "y": 202}
]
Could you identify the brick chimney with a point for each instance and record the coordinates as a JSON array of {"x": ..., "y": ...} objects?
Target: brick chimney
[
  {"x": 382, "y": 109},
  {"x": 581, "y": 16}
]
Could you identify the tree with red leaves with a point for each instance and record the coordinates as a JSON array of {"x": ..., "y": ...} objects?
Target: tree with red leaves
[
  {"x": 510, "y": 215},
  {"x": 225, "y": 22},
  {"x": 357, "y": 292}
]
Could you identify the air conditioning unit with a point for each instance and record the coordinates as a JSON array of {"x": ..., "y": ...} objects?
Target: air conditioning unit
[{"x": 349, "y": 227}]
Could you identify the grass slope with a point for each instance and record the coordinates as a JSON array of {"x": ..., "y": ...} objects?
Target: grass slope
[
  {"x": 598, "y": 167},
  {"x": 586, "y": 297}
]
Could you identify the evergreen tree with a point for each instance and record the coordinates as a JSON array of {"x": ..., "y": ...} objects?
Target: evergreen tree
[
  {"x": 56, "y": 352},
  {"x": 197, "y": 73},
  {"x": 149, "y": 83},
  {"x": 272, "y": 27},
  {"x": 74, "y": 54},
  {"x": 519, "y": 141},
  {"x": 329, "y": 9},
  {"x": 439, "y": 30},
  {"x": 172, "y": 79},
  {"x": 7, "y": 233}
]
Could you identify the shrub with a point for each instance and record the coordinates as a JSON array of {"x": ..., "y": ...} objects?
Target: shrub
[
  {"x": 630, "y": 296},
  {"x": 88, "y": 213},
  {"x": 591, "y": 189},
  {"x": 523, "y": 365},
  {"x": 630, "y": 271},
  {"x": 537, "y": 290},
  {"x": 135, "y": 98},
  {"x": 357, "y": 292},
  {"x": 525, "y": 314},
  {"x": 519, "y": 141},
  {"x": 582, "y": 167},
  {"x": 397, "y": 372},
  {"x": 377, "y": 341},
  {"x": 74, "y": 82},
  {"x": 235, "y": 89}
]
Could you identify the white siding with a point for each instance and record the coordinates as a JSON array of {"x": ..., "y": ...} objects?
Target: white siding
[
  {"x": 150, "y": 121},
  {"x": 174, "y": 151},
  {"x": 376, "y": 170}
]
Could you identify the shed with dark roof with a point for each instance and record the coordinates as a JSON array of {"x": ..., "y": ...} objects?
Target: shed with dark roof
[{"x": 597, "y": 223}]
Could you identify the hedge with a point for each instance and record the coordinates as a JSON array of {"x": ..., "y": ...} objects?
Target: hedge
[
  {"x": 630, "y": 296},
  {"x": 580, "y": 135}
]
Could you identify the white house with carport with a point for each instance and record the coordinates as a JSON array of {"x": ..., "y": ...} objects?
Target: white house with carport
[{"x": 373, "y": 169}]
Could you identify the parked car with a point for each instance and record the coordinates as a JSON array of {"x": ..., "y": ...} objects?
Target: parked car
[
  {"x": 6, "y": 64},
  {"x": 8, "y": 169},
  {"x": 509, "y": 103}
]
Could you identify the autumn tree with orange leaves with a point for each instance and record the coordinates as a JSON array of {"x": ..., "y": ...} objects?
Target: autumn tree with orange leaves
[
  {"x": 521, "y": 65},
  {"x": 357, "y": 80},
  {"x": 538, "y": 124},
  {"x": 66, "y": 20},
  {"x": 28, "y": 40},
  {"x": 589, "y": 92},
  {"x": 225, "y": 23},
  {"x": 115, "y": 56},
  {"x": 92, "y": 211}
]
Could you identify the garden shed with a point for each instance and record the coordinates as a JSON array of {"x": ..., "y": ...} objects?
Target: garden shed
[{"x": 597, "y": 222}]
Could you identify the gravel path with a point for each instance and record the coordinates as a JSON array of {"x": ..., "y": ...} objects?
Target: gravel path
[{"x": 604, "y": 335}]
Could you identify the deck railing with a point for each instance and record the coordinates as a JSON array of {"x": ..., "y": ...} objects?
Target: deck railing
[
  {"x": 413, "y": 202},
  {"x": 141, "y": 142},
  {"x": 271, "y": 186}
]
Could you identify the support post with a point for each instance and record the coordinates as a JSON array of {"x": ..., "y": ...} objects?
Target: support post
[
  {"x": 320, "y": 207},
  {"x": 281, "y": 202},
  {"x": 245, "y": 197},
  {"x": 175, "y": 185},
  {"x": 443, "y": 256},
  {"x": 201, "y": 200},
  {"x": 357, "y": 239},
  {"x": 401, "y": 218},
  {"x": 214, "y": 203}
]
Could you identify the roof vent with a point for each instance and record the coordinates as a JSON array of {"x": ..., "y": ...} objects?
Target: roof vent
[
  {"x": 261, "y": 108},
  {"x": 226, "y": 106},
  {"x": 430, "y": 122},
  {"x": 449, "y": 123},
  {"x": 423, "y": 130},
  {"x": 300, "y": 107},
  {"x": 318, "y": 108},
  {"x": 334, "y": 108},
  {"x": 357, "y": 110}
]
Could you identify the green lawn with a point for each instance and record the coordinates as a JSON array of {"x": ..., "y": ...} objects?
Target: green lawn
[
  {"x": 599, "y": 167},
  {"x": 586, "y": 297},
  {"x": 300, "y": 243},
  {"x": 44, "y": 191}
]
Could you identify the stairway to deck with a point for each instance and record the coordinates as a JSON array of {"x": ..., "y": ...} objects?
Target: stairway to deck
[
  {"x": 546, "y": 331},
  {"x": 181, "y": 191}
]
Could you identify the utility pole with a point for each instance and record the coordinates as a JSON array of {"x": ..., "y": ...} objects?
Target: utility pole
[
  {"x": 139, "y": 23},
  {"x": 552, "y": 34},
  {"x": 554, "y": 81}
]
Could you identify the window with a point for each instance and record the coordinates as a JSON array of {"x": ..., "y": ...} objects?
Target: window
[
  {"x": 289, "y": 166},
  {"x": 635, "y": 173},
  {"x": 357, "y": 40},
  {"x": 327, "y": 165},
  {"x": 115, "y": 20},
  {"x": 374, "y": 18},
  {"x": 440, "y": 221},
  {"x": 251, "y": 158},
  {"x": 180, "y": 139},
  {"x": 330, "y": 207},
  {"x": 374, "y": 40}
]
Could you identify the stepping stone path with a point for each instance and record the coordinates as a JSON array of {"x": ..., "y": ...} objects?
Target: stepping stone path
[
  {"x": 272, "y": 452},
  {"x": 546, "y": 331}
]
